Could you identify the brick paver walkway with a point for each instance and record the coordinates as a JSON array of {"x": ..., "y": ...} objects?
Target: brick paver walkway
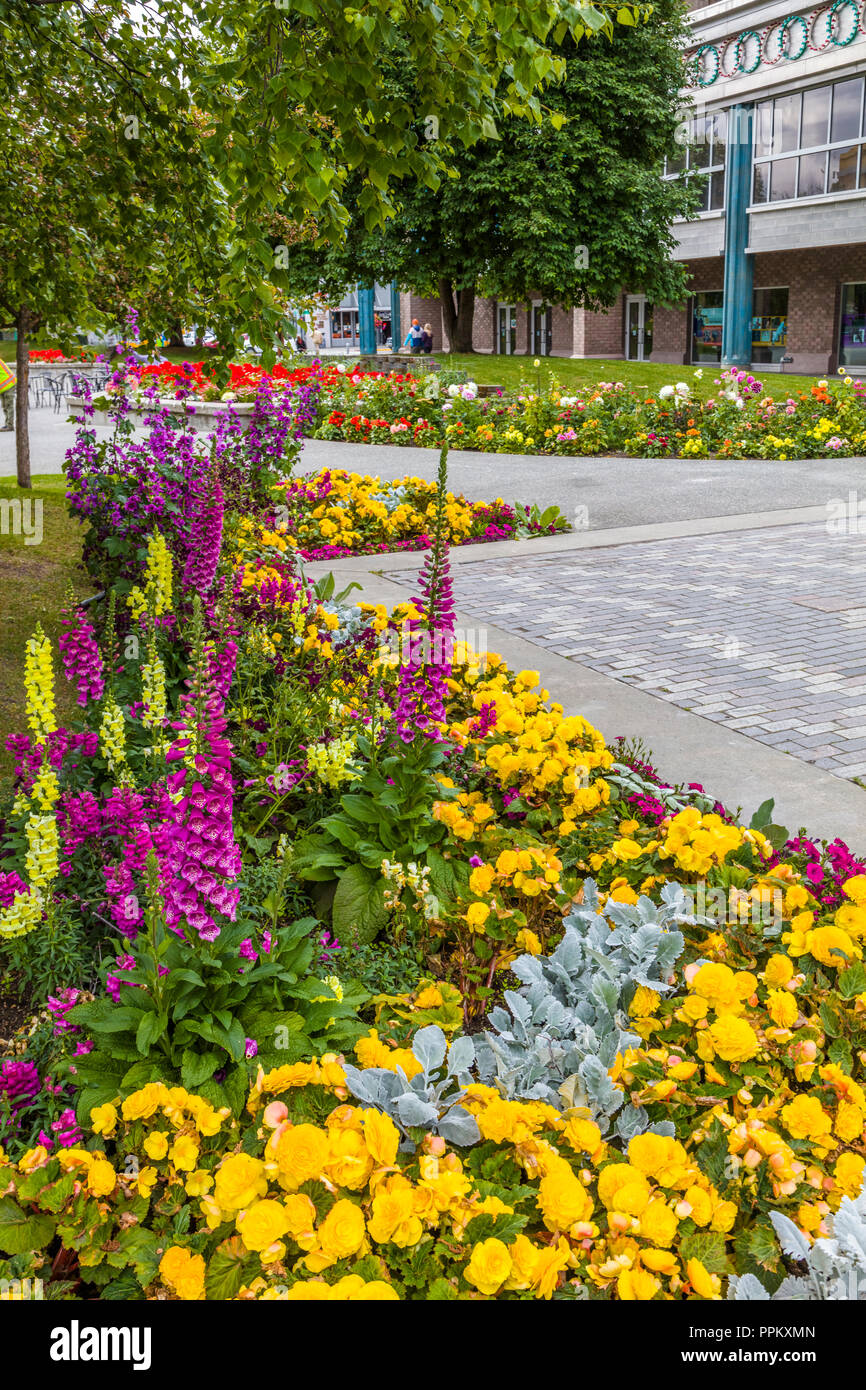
[{"x": 764, "y": 631}]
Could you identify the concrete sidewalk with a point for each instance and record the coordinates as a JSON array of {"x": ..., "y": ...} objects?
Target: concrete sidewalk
[{"x": 686, "y": 746}]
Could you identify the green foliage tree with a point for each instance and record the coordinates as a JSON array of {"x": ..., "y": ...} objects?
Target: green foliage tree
[
  {"x": 569, "y": 210},
  {"x": 165, "y": 154}
]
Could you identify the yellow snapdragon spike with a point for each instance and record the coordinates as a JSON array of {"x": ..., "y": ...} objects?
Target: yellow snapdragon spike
[{"x": 39, "y": 686}]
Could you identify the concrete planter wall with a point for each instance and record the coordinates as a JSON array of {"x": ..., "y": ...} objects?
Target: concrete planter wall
[{"x": 202, "y": 417}]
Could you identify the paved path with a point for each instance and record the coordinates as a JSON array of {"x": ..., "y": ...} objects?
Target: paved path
[{"x": 762, "y": 631}]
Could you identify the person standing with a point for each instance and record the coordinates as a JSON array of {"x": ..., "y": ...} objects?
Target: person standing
[
  {"x": 427, "y": 338},
  {"x": 414, "y": 337},
  {"x": 7, "y": 396}
]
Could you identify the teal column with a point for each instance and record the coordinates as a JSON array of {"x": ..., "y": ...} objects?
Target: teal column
[
  {"x": 366, "y": 324},
  {"x": 396, "y": 330},
  {"x": 737, "y": 305}
]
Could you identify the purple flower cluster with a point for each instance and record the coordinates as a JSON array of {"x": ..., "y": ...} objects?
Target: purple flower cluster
[
  {"x": 199, "y": 858},
  {"x": 81, "y": 657},
  {"x": 205, "y": 539},
  {"x": 827, "y": 868},
  {"x": 19, "y": 1084}
]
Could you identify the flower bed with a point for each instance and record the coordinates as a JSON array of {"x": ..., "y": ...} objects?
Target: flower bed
[
  {"x": 333, "y": 513},
  {"x": 740, "y": 420},
  {"x": 361, "y": 970}
]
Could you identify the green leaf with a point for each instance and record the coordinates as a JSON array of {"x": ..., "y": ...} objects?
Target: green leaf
[
  {"x": 359, "y": 911},
  {"x": 229, "y": 1268},
  {"x": 709, "y": 1248},
  {"x": 852, "y": 982},
  {"x": 764, "y": 1247},
  {"x": 840, "y": 1053},
  {"x": 197, "y": 1067},
  {"x": 20, "y": 1233},
  {"x": 150, "y": 1029},
  {"x": 712, "y": 1156},
  {"x": 502, "y": 1225}
]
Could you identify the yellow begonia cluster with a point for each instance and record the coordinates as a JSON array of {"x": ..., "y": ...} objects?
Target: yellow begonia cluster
[
  {"x": 362, "y": 508},
  {"x": 533, "y": 746},
  {"x": 837, "y": 944}
]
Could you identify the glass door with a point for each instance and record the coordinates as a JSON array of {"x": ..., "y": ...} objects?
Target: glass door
[
  {"x": 542, "y": 330},
  {"x": 638, "y": 328},
  {"x": 506, "y": 329}
]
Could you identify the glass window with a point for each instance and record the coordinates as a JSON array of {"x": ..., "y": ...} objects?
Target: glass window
[
  {"x": 703, "y": 158},
  {"x": 769, "y": 324},
  {"x": 816, "y": 113},
  {"x": 707, "y": 326},
  {"x": 786, "y": 123},
  {"x": 813, "y": 175},
  {"x": 843, "y": 169},
  {"x": 852, "y": 342},
  {"x": 783, "y": 179},
  {"x": 763, "y": 128},
  {"x": 720, "y": 136},
  {"x": 761, "y": 183},
  {"x": 847, "y": 100}
]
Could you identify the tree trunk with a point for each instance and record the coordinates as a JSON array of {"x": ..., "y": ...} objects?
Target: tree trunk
[
  {"x": 457, "y": 317},
  {"x": 449, "y": 313},
  {"x": 175, "y": 334},
  {"x": 22, "y": 418},
  {"x": 462, "y": 339}
]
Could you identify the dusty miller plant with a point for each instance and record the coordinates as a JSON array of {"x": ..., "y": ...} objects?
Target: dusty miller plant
[
  {"x": 557, "y": 1036},
  {"x": 429, "y": 1103},
  {"x": 835, "y": 1264}
]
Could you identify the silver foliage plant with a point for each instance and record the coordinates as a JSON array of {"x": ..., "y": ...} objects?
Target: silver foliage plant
[
  {"x": 835, "y": 1264},
  {"x": 558, "y": 1034},
  {"x": 428, "y": 1102}
]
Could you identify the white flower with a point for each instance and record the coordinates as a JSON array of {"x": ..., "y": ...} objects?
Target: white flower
[
  {"x": 699, "y": 374},
  {"x": 341, "y": 368},
  {"x": 665, "y": 393},
  {"x": 682, "y": 388},
  {"x": 454, "y": 390}
]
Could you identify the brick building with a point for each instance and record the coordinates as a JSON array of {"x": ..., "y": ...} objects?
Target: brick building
[{"x": 777, "y": 258}]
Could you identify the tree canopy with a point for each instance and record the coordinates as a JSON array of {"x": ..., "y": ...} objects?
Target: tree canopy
[{"x": 569, "y": 210}]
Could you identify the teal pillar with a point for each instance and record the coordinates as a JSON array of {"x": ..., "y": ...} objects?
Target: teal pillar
[
  {"x": 366, "y": 316},
  {"x": 737, "y": 304},
  {"x": 396, "y": 330}
]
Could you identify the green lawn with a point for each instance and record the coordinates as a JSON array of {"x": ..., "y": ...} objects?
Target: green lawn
[
  {"x": 33, "y": 583},
  {"x": 574, "y": 372}
]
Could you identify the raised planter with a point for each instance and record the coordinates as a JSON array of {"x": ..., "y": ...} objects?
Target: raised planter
[
  {"x": 416, "y": 362},
  {"x": 202, "y": 416}
]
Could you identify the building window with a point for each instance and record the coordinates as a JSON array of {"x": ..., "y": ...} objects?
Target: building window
[
  {"x": 707, "y": 326},
  {"x": 852, "y": 344},
  {"x": 344, "y": 327},
  {"x": 769, "y": 325},
  {"x": 704, "y": 156},
  {"x": 808, "y": 144}
]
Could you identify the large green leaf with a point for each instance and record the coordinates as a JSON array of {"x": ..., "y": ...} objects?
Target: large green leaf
[
  {"x": 20, "y": 1232},
  {"x": 359, "y": 912}
]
